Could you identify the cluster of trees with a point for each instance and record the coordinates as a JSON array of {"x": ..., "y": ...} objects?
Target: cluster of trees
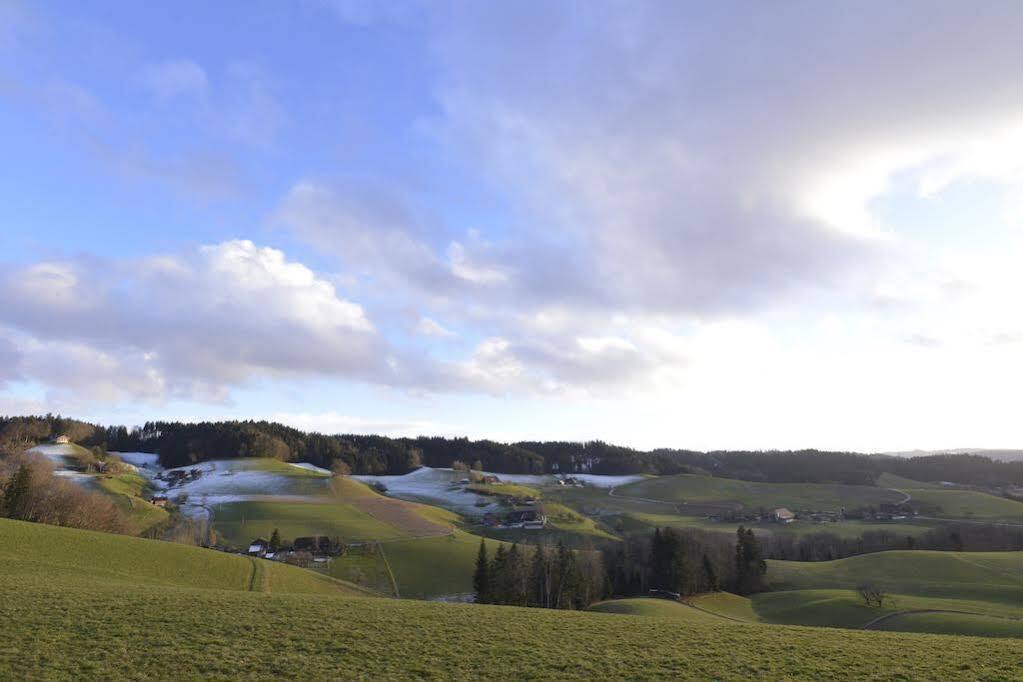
[
  {"x": 18, "y": 433},
  {"x": 954, "y": 537},
  {"x": 30, "y": 492},
  {"x": 685, "y": 563},
  {"x": 540, "y": 576},
  {"x": 182, "y": 444}
]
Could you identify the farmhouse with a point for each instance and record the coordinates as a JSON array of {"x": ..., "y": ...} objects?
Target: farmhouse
[
  {"x": 259, "y": 547},
  {"x": 61, "y": 440},
  {"x": 783, "y": 515},
  {"x": 159, "y": 500},
  {"x": 532, "y": 519},
  {"x": 491, "y": 479}
]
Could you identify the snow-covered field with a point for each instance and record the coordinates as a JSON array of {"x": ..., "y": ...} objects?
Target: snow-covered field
[
  {"x": 607, "y": 481},
  {"x": 238, "y": 480},
  {"x": 440, "y": 486},
  {"x": 64, "y": 462},
  {"x": 145, "y": 460},
  {"x": 56, "y": 453},
  {"x": 434, "y": 486}
]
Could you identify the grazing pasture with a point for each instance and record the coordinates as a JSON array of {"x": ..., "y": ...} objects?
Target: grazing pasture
[
  {"x": 688, "y": 488},
  {"x": 659, "y": 608},
  {"x": 79, "y": 605},
  {"x": 239, "y": 522}
]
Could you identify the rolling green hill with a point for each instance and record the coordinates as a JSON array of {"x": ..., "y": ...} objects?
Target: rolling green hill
[
  {"x": 966, "y": 504},
  {"x": 80, "y": 605},
  {"x": 960, "y": 592},
  {"x": 996, "y": 576},
  {"x": 687, "y": 488}
]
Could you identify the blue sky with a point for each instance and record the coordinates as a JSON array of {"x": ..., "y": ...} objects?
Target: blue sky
[{"x": 656, "y": 223}]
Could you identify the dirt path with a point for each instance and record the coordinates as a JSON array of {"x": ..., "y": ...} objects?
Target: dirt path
[{"x": 901, "y": 492}]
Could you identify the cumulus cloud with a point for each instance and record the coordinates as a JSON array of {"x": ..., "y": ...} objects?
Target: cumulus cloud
[{"x": 191, "y": 324}]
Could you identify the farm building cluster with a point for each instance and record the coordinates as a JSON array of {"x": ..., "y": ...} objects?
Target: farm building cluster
[
  {"x": 883, "y": 512},
  {"x": 316, "y": 549},
  {"x": 530, "y": 519}
]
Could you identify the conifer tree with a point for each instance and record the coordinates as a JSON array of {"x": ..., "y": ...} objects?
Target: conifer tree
[{"x": 481, "y": 578}]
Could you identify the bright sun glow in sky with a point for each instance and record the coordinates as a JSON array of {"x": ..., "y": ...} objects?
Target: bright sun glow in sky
[{"x": 699, "y": 225}]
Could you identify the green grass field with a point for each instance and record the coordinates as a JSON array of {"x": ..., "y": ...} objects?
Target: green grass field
[
  {"x": 645, "y": 522},
  {"x": 985, "y": 576},
  {"x": 126, "y": 490},
  {"x": 79, "y": 605},
  {"x": 41, "y": 554},
  {"x": 955, "y": 623},
  {"x": 985, "y": 587},
  {"x": 966, "y": 504},
  {"x": 887, "y": 480},
  {"x": 658, "y": 608},
  {"x": 237, "y": 523},
  {"x": 506, "y": 490},
  {"x": 709, "y": 490},
  {"x": 726, "y": 605},
  {"x": 435, "y": 567}
]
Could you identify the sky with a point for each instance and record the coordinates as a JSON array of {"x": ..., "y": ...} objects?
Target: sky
[{"x": 662, "y": 224}]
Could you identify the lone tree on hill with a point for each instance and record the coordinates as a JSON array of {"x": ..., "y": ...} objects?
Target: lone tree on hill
[{"x": 874, "y": 595}]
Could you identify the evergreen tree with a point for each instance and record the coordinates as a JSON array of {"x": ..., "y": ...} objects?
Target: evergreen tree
[
  {"x": 539, "y": 579},
  {"x": 710, "y": 576},
  {"x": 481, "y": 578},
  {"x": 275, "y": 540},
  {"x": 750, "y": 566},
  {"x": 496, "y": 573}
]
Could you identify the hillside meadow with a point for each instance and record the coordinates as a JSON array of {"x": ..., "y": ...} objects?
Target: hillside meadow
[{"x": 688, "y": 488}]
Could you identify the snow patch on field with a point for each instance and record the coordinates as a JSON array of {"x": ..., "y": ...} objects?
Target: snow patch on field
[
  {"x": 146, "y": 460},
  {"x": 433, "y": 486},
  {"x": 440, "y": 486},
  {"x": 598, "y": 481},
  {"x": 310, "y": 467},
  {"x": 224, "y": 481},
  {"x": 58, "y": 454}
]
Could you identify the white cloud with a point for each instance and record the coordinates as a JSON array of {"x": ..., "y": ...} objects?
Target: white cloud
[{"x": 188, "y": 325}]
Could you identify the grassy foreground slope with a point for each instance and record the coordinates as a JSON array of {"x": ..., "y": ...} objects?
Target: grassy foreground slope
[
  {"x": 36, "y": 554},
  {"x": 81, "y": 606},
  {"x": 659, "y": 608}
]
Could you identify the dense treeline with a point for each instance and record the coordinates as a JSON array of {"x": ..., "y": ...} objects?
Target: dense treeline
[
  {"x": 684, "y": 563},
  {"x": 181, "y": 444},
  {"x": 956, "y": 537},
  {"x": 668, "y": 562},
  {"x": 539, "y": 576}
]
